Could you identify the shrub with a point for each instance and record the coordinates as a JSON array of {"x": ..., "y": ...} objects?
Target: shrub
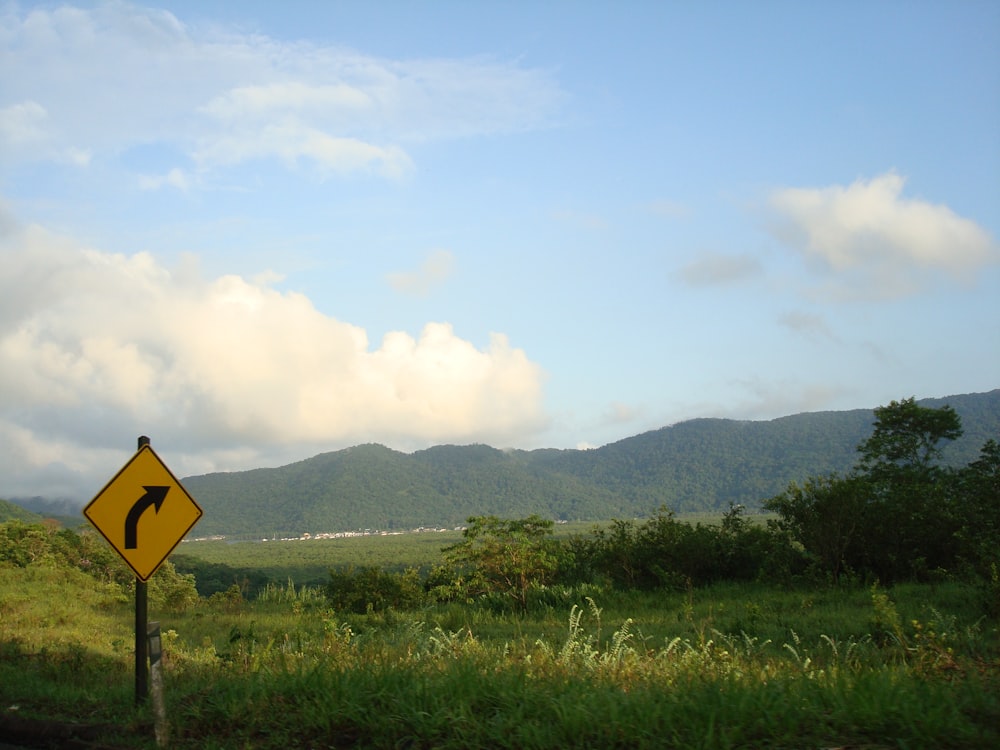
[{"x": 371, "y": 589}]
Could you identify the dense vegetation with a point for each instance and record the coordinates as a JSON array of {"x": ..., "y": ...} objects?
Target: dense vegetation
[
  {"x": 14, "y": 512},
  {"x": 944, "y": 521},
  {"x": 729, "y": 666},
  {"x": 699, "y": 465},
  {"x": 863, "y": 612}
]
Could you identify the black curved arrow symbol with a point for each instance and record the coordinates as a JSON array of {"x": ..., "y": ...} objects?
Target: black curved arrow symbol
[{"x": 154, "y": 496}]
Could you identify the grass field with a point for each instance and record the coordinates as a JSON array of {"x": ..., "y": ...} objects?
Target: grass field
[
  {"x": 723, "y": 667},
  {"x": 308, "y": 561}
]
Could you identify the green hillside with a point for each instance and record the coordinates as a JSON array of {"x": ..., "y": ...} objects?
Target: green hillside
[
  {"x": 12, "y": 512},
  {"x": 698, "y": 465}
]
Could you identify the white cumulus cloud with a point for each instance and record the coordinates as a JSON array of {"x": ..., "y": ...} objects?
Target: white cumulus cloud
[
  {"x": 871, "y": 236},
  {"x": 96, "y": 348}
]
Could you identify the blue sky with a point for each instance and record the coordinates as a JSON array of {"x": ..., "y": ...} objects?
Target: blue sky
[{"x": 259, "y": 231}]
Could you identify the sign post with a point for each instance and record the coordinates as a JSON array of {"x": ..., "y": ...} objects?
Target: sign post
[
  {"x": 144, "y": 513},
  {"x": 141, "y": 651}
]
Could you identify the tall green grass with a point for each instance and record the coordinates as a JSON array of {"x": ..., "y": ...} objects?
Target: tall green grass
[
  {"x": 724, "y": 667},
  {"x": 393, "y": 680}
]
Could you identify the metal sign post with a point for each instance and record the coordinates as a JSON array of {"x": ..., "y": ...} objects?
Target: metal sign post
[
  {"x": 141, "y": 651},
  {"x": 143, "y": 512},
  {"x": 141, "y": 620}
]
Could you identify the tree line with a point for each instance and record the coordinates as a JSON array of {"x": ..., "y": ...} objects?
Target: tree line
[
  {"x": 899, "y": 514},
  {"x": 699, "y": 465}
]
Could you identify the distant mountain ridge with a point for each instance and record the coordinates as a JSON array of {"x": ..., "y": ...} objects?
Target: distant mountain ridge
[{"x": 696, "y": 465}]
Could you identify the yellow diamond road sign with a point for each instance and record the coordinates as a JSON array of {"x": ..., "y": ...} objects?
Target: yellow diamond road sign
[{"x": 143, "y": 512}]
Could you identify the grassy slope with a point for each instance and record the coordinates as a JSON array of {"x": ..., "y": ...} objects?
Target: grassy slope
[
  {"x": 724, "y": 667},
  {"x": 12, "y": 512}
]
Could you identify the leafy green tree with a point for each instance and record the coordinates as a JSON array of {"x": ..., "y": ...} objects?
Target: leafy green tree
[
  {"x": 663, "y": 552},
  {"x": 505, "y": 556},
  {"x": 827, "y": 516},
  {"x": 633, "y": 555},
  {"x": 915, "y": 521},
  {"x": 907, "y": 439},
  {"x": 746, "y": 548},
  {"x": 371, "y": 589},
  {"x": 978, "y": 498},
  {"x": 896, "y": 515},
  {"x": 23, "y": 544},
  {"x": 47, "y": 544},
  {"x": 170, "y": 590},
  {"x": 618, "y": 553}
]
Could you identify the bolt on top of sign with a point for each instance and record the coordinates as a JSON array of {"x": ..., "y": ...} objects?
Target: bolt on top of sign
[{"x": 143, "y": 512}]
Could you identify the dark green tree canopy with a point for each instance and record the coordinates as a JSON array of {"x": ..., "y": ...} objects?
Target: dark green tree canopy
[
  {"x": 907, "y": 436},
  {"x": 901, "y": 513}
]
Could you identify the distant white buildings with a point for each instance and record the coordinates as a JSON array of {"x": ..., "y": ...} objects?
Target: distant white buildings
[{"x": 306, "y": 536}]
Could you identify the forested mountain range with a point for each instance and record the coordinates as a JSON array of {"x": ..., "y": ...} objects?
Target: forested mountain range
[{"x": 697, "y": 465}]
